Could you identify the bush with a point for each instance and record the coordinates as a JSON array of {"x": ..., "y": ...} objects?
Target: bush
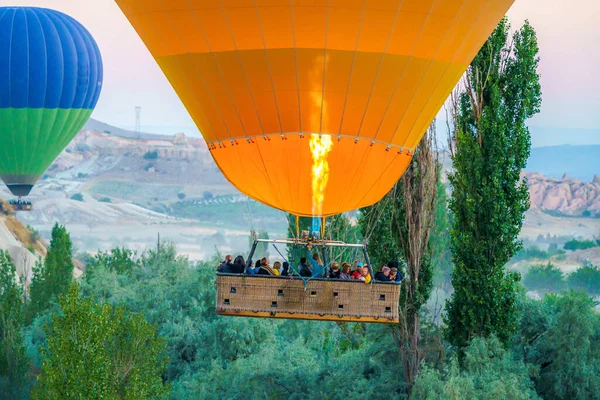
[
  {"x": 580, "y": 244},
  {"x": 34, "y": 235},
  {"x": 586, "y": 278},
  {"x": 207, "y": 195},
  {"x": 151, "y": 155},
  {"x": 148, "y": 166},
  {"x": 545, "y": 278},
  {"x": 82, "y": 147},
  {"x": 105, "y": 200},
  {"x": 181, "y": 196},
  {"x": 77, "y": 197},
  {"x": 82, "y": 175},
  {"x": 530, "y": 253}
]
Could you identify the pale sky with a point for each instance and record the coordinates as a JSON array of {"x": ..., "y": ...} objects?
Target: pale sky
[{"x": 568, "y": 34}]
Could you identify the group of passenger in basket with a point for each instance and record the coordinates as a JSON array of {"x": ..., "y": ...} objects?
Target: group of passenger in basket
[{"x": 313, "y": 268}]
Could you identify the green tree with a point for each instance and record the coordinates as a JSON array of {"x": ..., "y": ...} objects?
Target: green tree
[
  {"x": 545, "y": 278},
  {"x": 440, "y": 236},
  {"x": 560, "y": 335},
  {"x": 489, "y": 372},
  {"x": 490, "y": 146},
  {"x": 14, "y": 364},
  {"x": 586, "y": 278},
  {"x": 410, "y": 207},
  {"x": 99, "y": 351},
  {"x": 52, "y": 277}
]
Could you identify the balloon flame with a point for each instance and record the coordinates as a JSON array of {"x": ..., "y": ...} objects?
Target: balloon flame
[{"x": 320, "y": 146}]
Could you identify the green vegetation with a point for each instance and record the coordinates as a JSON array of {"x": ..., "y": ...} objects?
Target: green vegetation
[
  {"x": 549, "y": 278},
  {"x": 586, "y": 278},
  {"x": 181, "y": 195},
  {"x": 560, "y": 338},
  {"x": 14, "y": 363},
  {"x": 151, "y": 155},
  {"x": 105, "y": 200},
  {"x": 207, "y": 195},
  {"x": 580, "y": 244},
  {"x": 238, "y": 214},
  {"x": 113, "y": 353},
  {"x": 489, "y": 372},
  {"x": 77, "y": 197},
  {"x": 53, "y": 276},
  {"x": 491, "y": 144},
  {"x": 133, "y": 190},
  {"x": 545, "y": 278},
  {"x": 34, "y": 235}
]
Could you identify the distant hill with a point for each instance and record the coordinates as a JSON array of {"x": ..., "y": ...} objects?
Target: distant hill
[
  {"x": 579, "y": 162},
  {"x": 97, "y": 126}
]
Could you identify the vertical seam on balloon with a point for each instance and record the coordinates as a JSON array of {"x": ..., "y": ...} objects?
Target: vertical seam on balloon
[
  {"x": 52, "y": 24},
  {"x": 272, "y": 83},
  {"x": 3, "y": 159},
  {"x": 224, "y": 83},
  {"x": 262, "y": 35},
  {"x": 201, "y": 109},
  {"x": 429, "y": 66},
  {"x": 376, "y": 181},
  {"x": 65, "y": 121},
  {"x": 90, "y": 89},
  {"x": 353, "y": 179},
  {"x": 296, "y": 64},
  {"x": 383, "y": 54},
  {"x": 212, "y": 54},
  {"x": 404, "y": 69},
  {"x": 324, "y": 64},
  {"x": 237, "y": 52},
  {"x": 37, "y": 135},
  {"x": 12, "y": 123},
  {"x": 362, "y": 19},
  {"x": 446, "y": 70},
  {"x": 27, "y": 73}
]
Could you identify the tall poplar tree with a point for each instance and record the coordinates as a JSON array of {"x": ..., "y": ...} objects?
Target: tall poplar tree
[
  {"x": 14, "y": 363},
  {"x": 490, "y": 146},
  {"x": 53, "y": 276}
]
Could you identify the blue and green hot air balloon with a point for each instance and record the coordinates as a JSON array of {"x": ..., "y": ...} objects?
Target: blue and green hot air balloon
[{"x": 50, "y": 81}]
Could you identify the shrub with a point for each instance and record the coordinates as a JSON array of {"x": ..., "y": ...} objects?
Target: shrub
[
  {"x": 586, "y": 278},
  {"x": 151, "y": 155},
  {"x": 181, "y": 196},
  {"x": 105, "y": 200},
  {"x": 207, "y": 195},
  {"x": 148, "y": 166},
  {"x": 77, "y": 197},
  {"x": 34, "y": 235},
  {"x": 545, "y": 278},
  {"x": 580, "y": 244}
]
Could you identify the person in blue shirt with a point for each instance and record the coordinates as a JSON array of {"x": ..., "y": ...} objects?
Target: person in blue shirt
[{"x": 317, "y": 265}]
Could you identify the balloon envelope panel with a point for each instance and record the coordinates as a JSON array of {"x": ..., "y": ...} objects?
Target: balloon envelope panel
[
  {"x": 50, "y": 81},
  {"x": 260, "y": 76}
]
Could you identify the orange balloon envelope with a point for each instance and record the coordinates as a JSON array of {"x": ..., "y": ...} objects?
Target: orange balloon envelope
[{"x": 313, "y": 107}]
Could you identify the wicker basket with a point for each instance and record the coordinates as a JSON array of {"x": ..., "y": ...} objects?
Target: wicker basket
[{"x": 321, "y": 299}]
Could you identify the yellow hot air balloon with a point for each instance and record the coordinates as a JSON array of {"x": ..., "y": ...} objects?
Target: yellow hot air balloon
[{"x": 313, "y": 107}]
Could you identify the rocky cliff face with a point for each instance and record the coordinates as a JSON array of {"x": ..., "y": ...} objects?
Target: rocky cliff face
[{"x": 565, "y": 196}]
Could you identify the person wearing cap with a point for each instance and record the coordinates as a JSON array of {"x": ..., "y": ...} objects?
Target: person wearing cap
[{"x": 358, "y": 271}]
